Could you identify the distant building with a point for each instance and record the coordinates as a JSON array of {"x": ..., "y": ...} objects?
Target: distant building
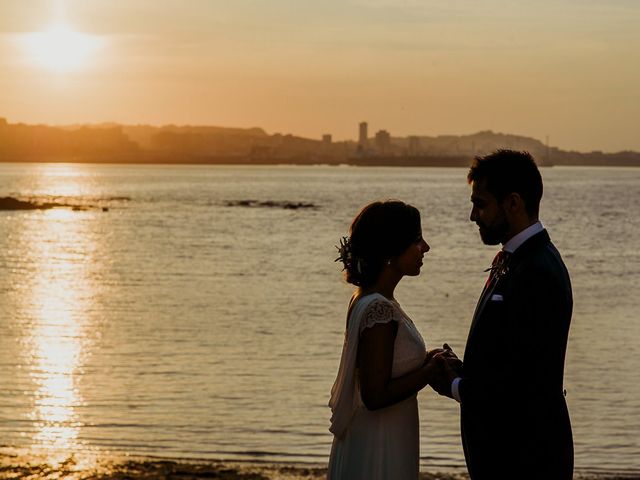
[
  {"x": 326, "y": 139},
  {"x": 414, "y": 146},
  {"x": 363, "y": 137},
  {"x": 383, "y": 142}
]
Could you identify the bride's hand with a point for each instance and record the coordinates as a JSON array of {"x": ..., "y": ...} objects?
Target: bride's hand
[
  {"x": 450, "y": 353},
  {"x": 431, "y": 353}
]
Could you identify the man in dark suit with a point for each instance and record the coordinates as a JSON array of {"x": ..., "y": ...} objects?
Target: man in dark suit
[{"x": 514, "y": 418}]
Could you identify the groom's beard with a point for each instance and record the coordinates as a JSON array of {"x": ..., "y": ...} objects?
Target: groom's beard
[{"x": 496, "y": 232}]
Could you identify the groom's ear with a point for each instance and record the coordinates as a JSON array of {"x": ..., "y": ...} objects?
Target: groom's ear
[{"x": 513, "y": 203}]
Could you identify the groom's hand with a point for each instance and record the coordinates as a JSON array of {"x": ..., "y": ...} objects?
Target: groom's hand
[
  {"x": 444, "y": 373},
  {"x": 453, "y": 359}
]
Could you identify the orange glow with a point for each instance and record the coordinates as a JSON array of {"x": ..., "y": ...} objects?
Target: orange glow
[
  {"x": 411, "y": 68},
  {"x": 60, "y": 49}
]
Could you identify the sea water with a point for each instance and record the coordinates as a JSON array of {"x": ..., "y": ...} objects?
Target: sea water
[{"x": 165, "y": 316}]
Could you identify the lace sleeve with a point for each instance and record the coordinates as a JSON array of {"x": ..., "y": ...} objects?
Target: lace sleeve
[{"x": 378, "y": 311}]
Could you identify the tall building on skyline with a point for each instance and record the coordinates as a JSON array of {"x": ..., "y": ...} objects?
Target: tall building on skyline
[
  {"x": 383, "y": 142},
  {"x": 363, "y": 135}
]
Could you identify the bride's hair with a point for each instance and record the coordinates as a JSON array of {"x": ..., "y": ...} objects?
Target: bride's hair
[{"x": 381, "y": 231}]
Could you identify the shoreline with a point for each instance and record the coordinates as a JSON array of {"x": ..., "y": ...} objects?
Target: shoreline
[
  {"x": 159, "y": 158},
  {"x": 16, "y": 464}
]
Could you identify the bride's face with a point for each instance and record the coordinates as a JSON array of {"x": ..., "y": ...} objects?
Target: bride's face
[{"x": 409, "y": 262}]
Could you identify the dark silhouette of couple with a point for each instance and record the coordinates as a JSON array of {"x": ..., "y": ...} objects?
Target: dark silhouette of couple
[{"x": 509, "y": 384}]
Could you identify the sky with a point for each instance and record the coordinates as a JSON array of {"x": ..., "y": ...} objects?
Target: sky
[{"x": 568, "y": 70}]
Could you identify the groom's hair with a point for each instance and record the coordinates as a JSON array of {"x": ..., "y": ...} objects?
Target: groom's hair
[{"x": 510, "y": 171}]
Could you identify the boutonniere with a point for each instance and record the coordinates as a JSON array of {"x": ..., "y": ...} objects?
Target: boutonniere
[{"x": 500, "y": 265}]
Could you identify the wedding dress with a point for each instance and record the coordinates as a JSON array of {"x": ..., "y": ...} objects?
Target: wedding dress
[{"x": 383, "y": 444}]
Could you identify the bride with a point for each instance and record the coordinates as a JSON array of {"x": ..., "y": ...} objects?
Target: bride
[{"x": 384, "y": 359}]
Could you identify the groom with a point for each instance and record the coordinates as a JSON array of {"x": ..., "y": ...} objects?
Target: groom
[{"x": 514, "y": 418}]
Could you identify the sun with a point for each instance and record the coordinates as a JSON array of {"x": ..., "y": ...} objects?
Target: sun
[{"x": 60, "y": 49}]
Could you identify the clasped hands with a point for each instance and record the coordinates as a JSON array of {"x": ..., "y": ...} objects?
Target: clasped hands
[{"x": 443, "y": 366}]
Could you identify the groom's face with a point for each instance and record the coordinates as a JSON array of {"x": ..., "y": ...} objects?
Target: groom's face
[{"x": 488, "y": 214}]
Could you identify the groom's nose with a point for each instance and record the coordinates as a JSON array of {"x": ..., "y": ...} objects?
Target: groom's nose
[{"x": 473, "y": 215}]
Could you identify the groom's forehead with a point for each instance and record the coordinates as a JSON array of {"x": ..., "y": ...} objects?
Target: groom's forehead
[{"x": 479, "y": 189}]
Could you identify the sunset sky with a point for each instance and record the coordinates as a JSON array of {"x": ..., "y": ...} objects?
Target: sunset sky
[{"x": 569, "y": 69}]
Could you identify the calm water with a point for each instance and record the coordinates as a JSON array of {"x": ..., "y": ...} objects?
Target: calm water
[{"x": 175, "y": 325}]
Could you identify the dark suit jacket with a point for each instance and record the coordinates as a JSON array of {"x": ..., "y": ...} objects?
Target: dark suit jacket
[{"x": 515, "y": 422}]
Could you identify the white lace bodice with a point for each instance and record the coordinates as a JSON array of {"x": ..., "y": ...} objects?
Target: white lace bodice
[
  {"x": 409, "y": 354},
  {"x": 409, "y": 348}
]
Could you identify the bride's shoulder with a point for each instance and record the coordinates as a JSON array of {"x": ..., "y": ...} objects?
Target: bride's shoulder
[
  {"x": 369, "y": 301},
  {"x": 374, "y": 308}
]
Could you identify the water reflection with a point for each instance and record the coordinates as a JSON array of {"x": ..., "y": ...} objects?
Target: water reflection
[
  {"x": 63, "y": 180},
  {"x": 57, "y": 349},
  {"x": 60, "y": 294}
]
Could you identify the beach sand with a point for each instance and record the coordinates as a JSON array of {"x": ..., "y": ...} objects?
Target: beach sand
[
  {"x": 75, "y": 467},
  {"x": 72, "y": 467}
]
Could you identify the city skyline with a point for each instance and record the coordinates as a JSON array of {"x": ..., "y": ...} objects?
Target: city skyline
[{"x": 566, "y": 70}]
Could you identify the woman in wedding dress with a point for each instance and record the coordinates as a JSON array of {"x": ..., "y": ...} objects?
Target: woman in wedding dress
[{"x": 384, "y": 358}]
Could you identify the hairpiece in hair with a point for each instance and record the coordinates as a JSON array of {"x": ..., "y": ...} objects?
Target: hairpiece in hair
[
  {"x": 351, "y": 263},
  {"x": 345, "y": 254}
]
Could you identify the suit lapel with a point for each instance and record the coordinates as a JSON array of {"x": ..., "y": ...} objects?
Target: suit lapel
[
  {"x": 482, "y": 301},
  {"x": 522, "y": 251}
]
